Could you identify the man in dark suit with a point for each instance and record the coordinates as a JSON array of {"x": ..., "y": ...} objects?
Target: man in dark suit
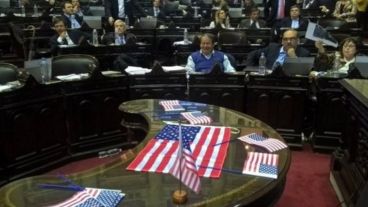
[
  {"x": 120, "y": 36},
  {"x": 272, "y": 12},
  {"x": 72, "y": 21},
  {"x": 115, "y": 9},
  {"x": 64, "y": 36},
  {"x": 156, "y": 10},
  {"x": 295, "y": 21},
  {"x": 253, "y": 22},
  {"x": 276, "y": 53}
]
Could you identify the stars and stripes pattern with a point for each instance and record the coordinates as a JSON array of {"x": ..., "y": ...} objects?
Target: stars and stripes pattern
[
  {"x": 93, "y": 197},
  {"x": 196, "y": 117},
  {"x": 184, "y": 167},
  {"x": 269, "y": 144},
  {"x": 261, "y": 164},
  {"x": 160, "y": 152},
  {"x": 171, "y": 105}
]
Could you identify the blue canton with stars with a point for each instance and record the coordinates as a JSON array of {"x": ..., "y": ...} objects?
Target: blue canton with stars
[
  {"x": 257, "y": 137},
  {"x": 171, "y": 132},
  {"x": 106, "y": 198},
  {"x": 268, "y": 169}
]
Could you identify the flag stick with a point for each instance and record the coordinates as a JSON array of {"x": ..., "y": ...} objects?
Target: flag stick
[{"x": 180, "y": 196}]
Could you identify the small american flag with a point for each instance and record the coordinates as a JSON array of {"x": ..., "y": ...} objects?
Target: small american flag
[
  {"x": 171, "y": 105},
  {"x": 93, "y": 197},
  {"x": 270, "y": 144},
  {"x": 261, "y": 164},
  {"x": 196, "y": 117},
  {"x": 160, "y": 153},
  {"x": 184, "y": 167}
]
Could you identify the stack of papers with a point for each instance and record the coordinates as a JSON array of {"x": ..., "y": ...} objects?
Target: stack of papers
[
  {"x": 72, "y": 77},
  {"x": 182, "y": 43},
  {"x": 133, "y": 70},
  {"x": 175, "y": 68},
  {"x": 5, "y": 87}
]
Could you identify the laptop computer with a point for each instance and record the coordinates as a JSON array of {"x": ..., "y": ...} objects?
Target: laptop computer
[
  {"x": 33, "y": 67},
  {"x": 93, "y": 21},
  {"x": 361, "y": 63},
  {"x": 300, "y": 66}
]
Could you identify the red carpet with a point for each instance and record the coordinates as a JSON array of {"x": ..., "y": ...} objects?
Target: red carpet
[{"x": 307, "y": 182}]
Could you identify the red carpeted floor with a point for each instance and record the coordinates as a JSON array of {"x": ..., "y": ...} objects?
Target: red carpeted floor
[{"x": 307, "y": 182}]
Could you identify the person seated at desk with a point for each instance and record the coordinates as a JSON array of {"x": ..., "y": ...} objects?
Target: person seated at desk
[
  {"x": 345, "y": 10},
  {"x": 295, "y": 21},
  {"x": 64, "y": 36},
  {"x": 249, "y": 5},
  {"x": 72, "y": 20},
  {"x": 346, "y": 54},
  {"x": 204, "y": 59},
  {"x": 156, "y": 10},
  {"x": 253, "y": 22},
  {"x": 276, "y": 53},
  {"x": 120, "y": 36},
  {"x": 221, "y": 21}
]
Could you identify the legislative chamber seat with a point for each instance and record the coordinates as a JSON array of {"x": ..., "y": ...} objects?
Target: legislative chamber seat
[
  {"x": 8, "y": 73},
  {"x": 73, "y": 64}
]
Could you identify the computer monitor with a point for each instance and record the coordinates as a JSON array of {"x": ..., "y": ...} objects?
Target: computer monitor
[
  {"x": 235, "y": 12},
  {"x": 33, "y": 67},
  {"x": 93, "y": 21},
  {"x": 97, "y": 11},
  {"x": 300, "y": 66},
  {"x": 361, "y": 63}
]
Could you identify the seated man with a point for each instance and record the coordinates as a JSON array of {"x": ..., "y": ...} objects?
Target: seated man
[
  {"x": 156, "y": 10},
  {"x": 73, "y": 21},
  {"x": 120, "y": 36},
  {"x": 204, "y": 59},
  {"x": 253, "y": 22},
  {"x": 295, "y": 21},
  {"x": 64, "y": 36},
  {"x": 277, "y": 53}
]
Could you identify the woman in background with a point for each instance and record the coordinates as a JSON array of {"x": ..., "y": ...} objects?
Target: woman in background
[
  {"x": 221, "y": 21},
  {"x": 345, "y": 10}
]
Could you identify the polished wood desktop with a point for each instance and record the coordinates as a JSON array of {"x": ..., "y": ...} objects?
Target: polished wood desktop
[{"x": 144, "y": 118}]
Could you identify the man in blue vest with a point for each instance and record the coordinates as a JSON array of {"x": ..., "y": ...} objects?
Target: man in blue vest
[{"x": 204, "y": 59}]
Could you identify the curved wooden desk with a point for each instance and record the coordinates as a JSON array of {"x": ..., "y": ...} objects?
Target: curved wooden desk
[{"x": 144, "y": 118}]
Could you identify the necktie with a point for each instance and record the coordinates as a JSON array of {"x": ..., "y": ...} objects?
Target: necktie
[
  {"x": 122, "y": 40},
  {"x": 64, "y": 41},
  {"x": 253, "y": 25},
  {"x": 281, "y": 58},
  {"x": 280, "y": 9}
]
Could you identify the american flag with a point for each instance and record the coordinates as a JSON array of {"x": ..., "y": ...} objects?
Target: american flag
[
  {"x": 261, "y": 164},
  {"x": 184, "y": 167},
  {"x": 93, "y": 197},
  {"x": 171, "y": 105},
  {"x": 196, "y": 117},
  {"x": 270, "y": 144},
  {"x": 160, "y": 152}
]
